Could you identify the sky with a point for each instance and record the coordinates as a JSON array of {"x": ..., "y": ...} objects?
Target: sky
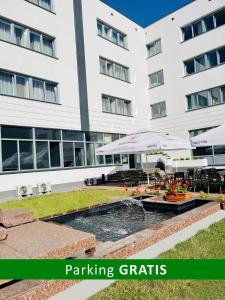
[{"x": 145, "y": 12}]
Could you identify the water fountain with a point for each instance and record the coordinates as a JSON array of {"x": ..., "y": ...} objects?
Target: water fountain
[{"x": 131, "y": 202}]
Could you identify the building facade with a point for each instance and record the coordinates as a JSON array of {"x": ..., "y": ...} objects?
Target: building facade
[{"x": 77, "y": 74}]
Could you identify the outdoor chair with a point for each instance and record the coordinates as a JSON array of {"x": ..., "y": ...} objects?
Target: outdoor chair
[
  {"x": 179, "y": 176},
  {"x": 200, "y": 181},
  {"x": 214, "y": 182}
]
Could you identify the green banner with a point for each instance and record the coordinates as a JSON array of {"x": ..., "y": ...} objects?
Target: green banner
[{"x": 76, "y": 269}]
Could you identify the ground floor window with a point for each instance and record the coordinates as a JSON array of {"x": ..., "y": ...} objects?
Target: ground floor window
[{"x": 25, "y": 149}]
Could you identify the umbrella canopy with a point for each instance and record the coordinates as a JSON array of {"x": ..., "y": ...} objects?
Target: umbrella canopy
[
  {"x": 213, "y": 137},
  {"x": 144, "y": 142}
]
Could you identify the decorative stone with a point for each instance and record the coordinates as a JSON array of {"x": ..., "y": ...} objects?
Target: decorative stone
[
  {"x": 3, "y": 233},
  {"x": 16, "y": 216}
]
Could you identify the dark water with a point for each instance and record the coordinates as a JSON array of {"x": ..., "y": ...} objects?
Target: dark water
[{"x": 116, "y": 223}]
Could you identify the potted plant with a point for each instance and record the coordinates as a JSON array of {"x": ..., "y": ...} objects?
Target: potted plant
[
  {"x": 221, "y": 198},
  {"x": 177, "y": 190}
]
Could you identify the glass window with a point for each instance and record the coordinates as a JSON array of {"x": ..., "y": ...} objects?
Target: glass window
[
  {"x": 208, "y": 23},
  {"x": 200, "y": 63},
  {"x": 18, "y": 33},
  {"x": 221, "y": 52},
  {"x": 35, "y": 41},
  {"x": 212, "y": 59},
  {"x": 55, "y": 154},
  {"x": 203, "y": 98},
  {"x": 5, "y": 30},
  {"x": 94, "y": 137},
  {"x": 47, "y": 134},
  {"x": 108, "y": 138},
  {"x": 220, "y": 18},
  {"x": 100, "y": 29},
  {"x": 105, "y": 104},
  {"x": 47, "y": 46},
  {"x": 190, "y": 67},
  {"x": 113, "y": 105},
  {"x": 79, "y": 154},
  {"x": 99, "y": 158},
  {"x": 102, "y": 66},
  {"x": 11, "y": 132},
  {"x": 115, "y": 37},
  {"x": 122, "y": 40},
  {"x": 71, "y": 135},
  {"x": 223, "y": 93},
  {"x": 154, "y": 48},
  {"x": 192, "y": 103},
  {"x": 219, "y": 150},
  {"x": 156, "y": 79},
  {"x": 117, "y": 159},
  {"x": 68, "y": 155},
  {"x": 22, "y": 87},
  {"x": 215, "y": 93},
  {"x": 114, "y": 70},
  {"x": 38, "y": 89},
  {"x": 26, "y": 155},
  {"x": 197, "y": 28},
  {"x": 187, "y": 33},
  {"x": 9, "y": 156},
  {"x": 90, "y": 152},
  {"x": 203, "y": 151},
  {"x": 158, "y": 110},
  {"x": 50, "y": 92},
  {"x": 42, "y": 155},
  {"x": 45, "y": 4},
  {"x": 6, "y": 83},
  {"x": 109, "y": 159},
  {"x": 109, "y": 68}
]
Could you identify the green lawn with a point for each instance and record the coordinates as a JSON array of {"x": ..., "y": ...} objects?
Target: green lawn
[
  {"x": 209, "y": 243},
  {"x": 52, "y": 204}
]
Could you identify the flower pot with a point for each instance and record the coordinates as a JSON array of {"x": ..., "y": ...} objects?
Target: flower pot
[
  {"x": 175, "y": 197},
  {"x": 222, "y": 205}
]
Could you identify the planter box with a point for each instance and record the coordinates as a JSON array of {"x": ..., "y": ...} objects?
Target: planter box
[{"x": 175, "y": 197}]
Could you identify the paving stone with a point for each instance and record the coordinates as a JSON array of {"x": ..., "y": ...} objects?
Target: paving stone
[
  {"x": 47, "y": 240},
  {"x": 16, "y": 216},
  {"x": 3, "y": 234}
]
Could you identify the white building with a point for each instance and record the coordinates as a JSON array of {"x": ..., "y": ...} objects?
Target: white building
[{"x": 77, "y": 74}]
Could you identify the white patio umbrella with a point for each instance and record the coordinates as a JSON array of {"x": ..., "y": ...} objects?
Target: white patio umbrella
[
  {"x": 144, "y": 142},
  {"x": 213, "y": 137}
]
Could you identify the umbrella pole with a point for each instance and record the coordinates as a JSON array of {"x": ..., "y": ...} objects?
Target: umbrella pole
[{"x": 146, "y": 155}]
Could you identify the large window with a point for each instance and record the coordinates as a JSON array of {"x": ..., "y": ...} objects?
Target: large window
[
  {"x": 205, "y": 61},
  {"x": 116, "y": 105},
  {"x": 113, "y": 69},
  {"x": 26, "y": 149},
  {"x": 206, "y": 98},
  {"x": 154, "y": 48},
  {"x": 156, "y": 79},
  {"x": 203, "y": 25},
  {"x": 26, "y": 37},
  {"x": 111, "y": 34},
  {"x": 46, "y": 4},
  {"x": 27, "y": 87},
  {"x": 158, "y": 110}
]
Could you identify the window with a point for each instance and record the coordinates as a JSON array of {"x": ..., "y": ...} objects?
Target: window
[
  {"x": 203, "y": 25},
  {"x": 90, "y": 152},
  {"x": 26, "y": 155},
  {"x": 205, "y": 61},
  {"x": 154, "y": 48},
  {"x": 71, "y": 135},
  {"x": 116, "y": 106},
  {"x": 47, "y": 134},
  {"x": 24, "y": 36},
  {"x": 5, "y": 30},
  {"x": 11, "y": 132},
  {"x": 68, "y": 155},
  {"x": 9, "y": 156},
  {"x": 156, "y": 79},
  {"x": 111, "y": 34},
  {"x": 79, "y": 154},
  {"x": 206, "y": 98},
  {"x": 26, "y": 87},
  {"x": 113, "y": 69},
  {"x": 46, "y": 4},
  {"x": 42, "y": 155},
  {"x": 158, "y": 110},
  {"x": 220, "y": 18},
  {"x": 200, "y": 63},
  {"x": 22, "y": 87},
  {"x": 6, "y": 83},
  {"x": 202, "y": 151},
  {"x": 54, "y": 154}
]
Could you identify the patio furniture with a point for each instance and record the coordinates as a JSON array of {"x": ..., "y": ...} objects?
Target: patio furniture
[
  {"x": 214, "y": 181},
  {"x": 179, "y": 176}
]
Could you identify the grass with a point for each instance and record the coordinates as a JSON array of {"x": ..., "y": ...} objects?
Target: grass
[
  {"x": 44, "y": 206},
  {"x": 209, "y": 243}
]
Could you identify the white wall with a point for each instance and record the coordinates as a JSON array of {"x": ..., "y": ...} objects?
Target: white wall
[
  {"x": 98, "y": 84},
  {"x": 174, "y": 52},
  {"x": 63, "y": 70}
]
